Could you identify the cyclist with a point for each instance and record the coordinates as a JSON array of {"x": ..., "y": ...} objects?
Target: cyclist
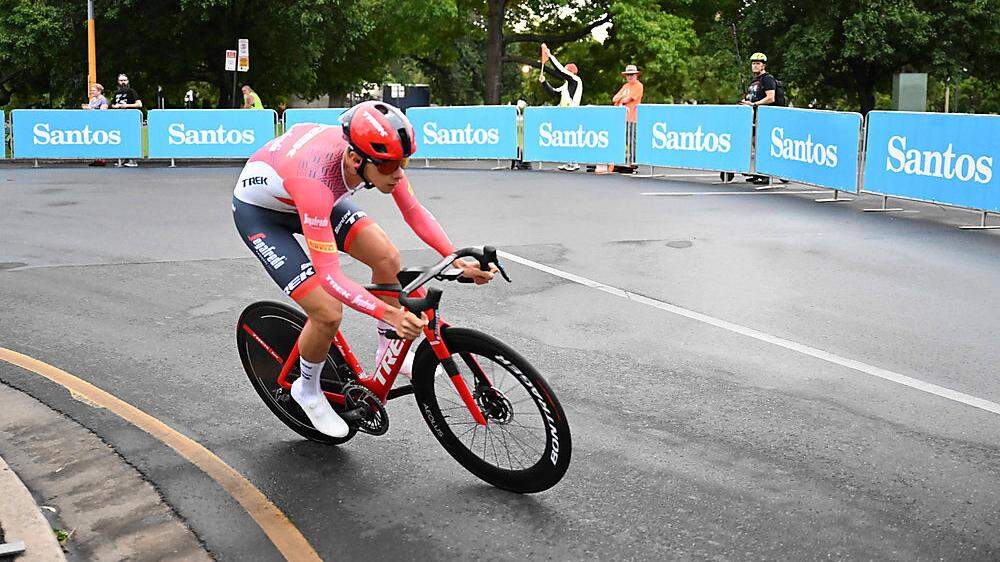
[{"x": 302, "y": 182}]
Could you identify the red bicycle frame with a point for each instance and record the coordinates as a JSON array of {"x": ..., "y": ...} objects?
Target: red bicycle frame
[{"x": 380, "y": 382}]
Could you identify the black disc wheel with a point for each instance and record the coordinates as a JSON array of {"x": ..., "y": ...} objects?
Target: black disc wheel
[
  {"x": 265, "y": 335},
  {"x": 525, "y": 444}
]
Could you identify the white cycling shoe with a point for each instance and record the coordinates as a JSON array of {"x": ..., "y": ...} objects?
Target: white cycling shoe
[{"x": 320, "y": 412}]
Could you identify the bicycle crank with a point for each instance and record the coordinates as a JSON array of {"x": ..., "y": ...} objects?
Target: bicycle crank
[{"x": 363, "y": 410}]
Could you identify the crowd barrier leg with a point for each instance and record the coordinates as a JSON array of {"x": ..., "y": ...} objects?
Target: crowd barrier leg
[
  {"x": 982, "y": 224},
  {"x": 834, "y": 199},
  {"x": 172, "y": 164},
  {"x": 499, "y": 166},
  {"x": 36, "y": 163},
  {"x": 769, "y": 185},
  {"x": 883, "y": 208}
]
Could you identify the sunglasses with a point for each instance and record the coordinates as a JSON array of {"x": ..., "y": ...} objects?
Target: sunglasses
[{"x": 387, "y": 167}]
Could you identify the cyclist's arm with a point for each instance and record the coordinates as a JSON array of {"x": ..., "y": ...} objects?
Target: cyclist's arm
[
  {"x": 420, "y": 219},
  {"x": 312, "y": 198}
]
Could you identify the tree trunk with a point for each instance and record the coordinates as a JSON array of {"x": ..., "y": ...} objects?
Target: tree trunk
[{"x": 494, "y": 50}]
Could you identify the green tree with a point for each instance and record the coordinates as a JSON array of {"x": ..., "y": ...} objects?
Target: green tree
[{"x": 852, "y": 47}]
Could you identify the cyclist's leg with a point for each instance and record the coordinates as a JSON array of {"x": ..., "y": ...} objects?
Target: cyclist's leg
[
  {"x": 268, "y": 234},
  {"x": 366, "y": 242}
]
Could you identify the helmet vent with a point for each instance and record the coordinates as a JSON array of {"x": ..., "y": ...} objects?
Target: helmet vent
[
  {"x": 382, "y": 108},
  {"x": 379, "y": 147}
]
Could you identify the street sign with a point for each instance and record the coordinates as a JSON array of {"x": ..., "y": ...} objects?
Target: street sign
[
  {"x": 230, "y": 60},
  {"x": 243, "y": 45}
]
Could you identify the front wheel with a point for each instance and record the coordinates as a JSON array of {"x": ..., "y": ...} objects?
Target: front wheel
[{"x": 525, "y": 445}]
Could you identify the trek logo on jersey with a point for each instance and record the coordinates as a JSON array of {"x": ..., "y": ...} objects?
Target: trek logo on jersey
[
  {"x": 179, "y": 134},
  {"x": 693, "y": 141},
  {"x": 255, "y": 180},
  {"x": 325, "y": 247},
  {"x": 338, "y": 289},
  {"x": 44, "y": 134},
  {"x": 307, "y": 272},
  {"x": 805, "y": 151},
  {"x": 433, "y": 135},
  {"x": 348, "y": 220},
  {"x": 571, "y": 138},
  {"x": 318, "y": 222},
  {"x": 947, "y": 165},
  {"x": 266, "y": 252}
]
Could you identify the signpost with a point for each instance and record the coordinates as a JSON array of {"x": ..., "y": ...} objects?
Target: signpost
[{"x": 238, "y": 61}]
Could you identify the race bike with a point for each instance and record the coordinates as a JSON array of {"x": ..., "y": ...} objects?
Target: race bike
[{"x": 487, "y": 406}]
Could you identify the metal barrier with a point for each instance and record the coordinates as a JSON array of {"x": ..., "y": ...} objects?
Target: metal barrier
[
  {"x": 592, "y": 134},
  {"x": 702, "y": 137},
  {"x": 208, "y": 133},
  {"x": 820, "y": 148},
  {"x": 938, "y": 158},
  {"x": 76, "y": 133}
]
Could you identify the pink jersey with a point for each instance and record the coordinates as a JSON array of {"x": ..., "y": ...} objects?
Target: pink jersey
[{"x": 302, "y": 172}]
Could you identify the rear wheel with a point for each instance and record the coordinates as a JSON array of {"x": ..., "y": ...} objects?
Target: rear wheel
[
  {"x": 265, "y": 335},
  {"x": 525, "y": 445}
]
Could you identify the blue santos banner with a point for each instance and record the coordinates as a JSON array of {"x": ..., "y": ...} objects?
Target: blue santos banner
[
  {"x": 944, "y": 158},
  {"x": 704, "y": 137},
  {"x": 575, "y": 134},
  {"x": 323, "y": 116},
  {"x": 208, "y": 133},
  {"x": 810, "y": 146},
  {"x": 465, "y": 132},
  {"x": 76, "y": 133}
]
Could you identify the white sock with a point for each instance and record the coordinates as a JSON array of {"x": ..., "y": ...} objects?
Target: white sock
[
  {"x": 310, "y": 373},
  {"x": 307, "y": 393}
]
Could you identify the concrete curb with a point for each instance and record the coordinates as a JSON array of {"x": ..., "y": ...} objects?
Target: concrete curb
[{"x": 22, "y": 520}]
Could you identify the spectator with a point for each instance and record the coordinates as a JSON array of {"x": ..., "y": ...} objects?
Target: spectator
[
  {"x": 250, "y": 99},
  {"x": 763, "y": 88},
  {"x": 126, "y": 98},
  {"x": 629, "y": 95},
  {"x": 762, "y": 91},
  {"x": 97, "y": 101},
  {"x": 569, "y": 93}
]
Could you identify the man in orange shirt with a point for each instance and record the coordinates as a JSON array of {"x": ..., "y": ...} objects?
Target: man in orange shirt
[{"x": 629, "y": 95}]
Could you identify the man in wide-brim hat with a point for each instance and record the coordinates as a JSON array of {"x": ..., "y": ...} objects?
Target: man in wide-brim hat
[{"x": 629, "y": 95}]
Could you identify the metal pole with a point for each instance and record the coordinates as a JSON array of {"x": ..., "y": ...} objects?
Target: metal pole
[
  {"x": 234, "y": 89},
  {"x": 91, "y": 48}
]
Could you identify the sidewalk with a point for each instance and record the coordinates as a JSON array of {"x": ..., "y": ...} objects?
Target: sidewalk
[
  {"x": 111, "y": 511},
  {"x": 21, "y": 520}
]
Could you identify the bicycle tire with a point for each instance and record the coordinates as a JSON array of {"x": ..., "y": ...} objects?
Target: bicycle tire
[
  {"x": 431, "y": 390},
  {"x": 279, "y": 325}
]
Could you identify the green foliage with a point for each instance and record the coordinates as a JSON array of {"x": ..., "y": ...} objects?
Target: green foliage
[{"x": 835, "y": 54}]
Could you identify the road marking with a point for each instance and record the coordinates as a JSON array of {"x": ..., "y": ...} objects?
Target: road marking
[
  {"x": 275, "y": 524},
  {"x": 686, "y": 193},
  {"x": 872, "y": 370}
]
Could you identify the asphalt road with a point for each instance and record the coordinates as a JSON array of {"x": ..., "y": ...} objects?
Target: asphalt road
[{"x": 691, "y": 439}]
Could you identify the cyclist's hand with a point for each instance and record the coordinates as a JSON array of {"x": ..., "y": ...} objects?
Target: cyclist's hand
[
  {"x": 472, "y": 271},
  {"x": 408, "y": 325}
]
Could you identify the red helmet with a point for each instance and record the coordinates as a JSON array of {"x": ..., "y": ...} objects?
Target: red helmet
[{"x": 379, "y": 131}]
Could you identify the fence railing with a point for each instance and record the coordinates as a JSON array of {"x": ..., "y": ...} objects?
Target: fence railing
[{"x": 941, "y": 158}]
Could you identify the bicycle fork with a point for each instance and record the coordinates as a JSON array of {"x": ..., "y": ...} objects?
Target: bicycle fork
[{"x": 433, "y": 333}]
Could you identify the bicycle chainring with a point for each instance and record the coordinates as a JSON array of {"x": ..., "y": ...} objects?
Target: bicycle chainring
[{"x": 363, "y": 410}]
